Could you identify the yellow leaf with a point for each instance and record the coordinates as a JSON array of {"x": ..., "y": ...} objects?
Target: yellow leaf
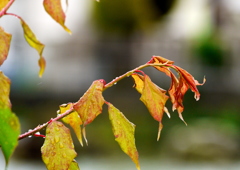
[
  {"x": 153, "y": 97},
  {"x": 74, "y": 166},
  {"x": 35, "y": 43},
  {"x": 89, "y": 106},
  {"x": 5, "y": 40},
  {"x": 138, "y": 82},
  {"x": 73, "y": 120},
  {"x": 58, "y": 149},
  {"x": 3, "y": 3},
  {"x": 42, "y": 65},
  {"x": 123, "y": 131},
  {"x": 54, "y": 9},
  {"x": 9, "y": 123}
]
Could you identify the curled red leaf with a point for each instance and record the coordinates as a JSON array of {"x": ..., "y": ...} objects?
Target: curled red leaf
[{"x": 179, "y": 85}]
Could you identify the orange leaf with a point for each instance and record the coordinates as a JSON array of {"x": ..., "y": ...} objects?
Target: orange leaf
[
  {"x": 54, "y": 9},
  {"x": 5, "y": 40},
  {"x": 58, "y": 149},
  {"x": 123, "y": 131},
  {"x": 72, "y": 119},
  {"x": 89, "y": 106},
  {"x": 180, "y": 86},
  {"x": 161, "y": 60},
  {"x": 152, "y": 96},
  {"x": 172, "y": 92},
  {"x": 190, "y": 81},
  {"x": 177, "y": 91},
  {"x": 35, "y": 43}
]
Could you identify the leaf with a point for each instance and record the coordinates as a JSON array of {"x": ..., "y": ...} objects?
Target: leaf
[
  {"x": 123, "y": 131},
  {"x": 73, "y": 120},
  {"x": 54, "y": 9},
  {"x": 139, "y": 84},
  {"x": 9, "y": 132},
  {"x": 89, "y": 106},
  {"x": 161, "y": 60},
  {"x": 4, "y": 91},
  {"x": 180, "y": 86},
  {"x": 152, "y": 96},
  {"x": 58, "y": 149},
  {"x": 35, "y": 43},
  {"x": 10, "y": 126},
  {"x": 190, "y": 81},
  {"x": 42, "y": 65},
  {"x": 74, "y": 166},
  {"x": 3, "y": 3},
  {"x": 173, "y": 90},
  {"x": 5, "y": 40}
]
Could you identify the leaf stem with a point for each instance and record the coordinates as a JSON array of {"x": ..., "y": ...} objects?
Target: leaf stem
[
  {"x": 110, "y": 84},
  {"x": 129, "y": 73},
  {"x": 40, "y": 127},
  {"x": 4, "y": 10},
  {"x": 15, "y": 15}
]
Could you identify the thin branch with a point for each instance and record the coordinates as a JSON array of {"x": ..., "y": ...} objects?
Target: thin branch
[
  {"x": 15, "y": 15},
  {"x": 40, "y": 127},
  {"x": 60, "y": 116},
  {"x": 129, "y": 73},
  {"x": 4, "y": 10}
]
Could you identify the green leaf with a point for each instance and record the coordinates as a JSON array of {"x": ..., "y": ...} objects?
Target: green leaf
[
  {"x": 54, "y": 9},
  {"x": 58, "y": 149},
  {"x": 74, "y": 166},
  {"x": 5, "y": 40},
  {"x": 73, "y": 119},
  {"x": 152, "y": 96},
  {"x": 10, "y": 126},
  {"x": 123, "y": 131},
  {"x": 35, "y": 43},
  {"x": 9, "y": 132}
]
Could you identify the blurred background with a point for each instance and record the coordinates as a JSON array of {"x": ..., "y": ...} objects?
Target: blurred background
[{"x": 110, "y": 38}]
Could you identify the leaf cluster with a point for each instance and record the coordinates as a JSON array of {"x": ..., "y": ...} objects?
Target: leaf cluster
[{"x": 58, "y": 149}]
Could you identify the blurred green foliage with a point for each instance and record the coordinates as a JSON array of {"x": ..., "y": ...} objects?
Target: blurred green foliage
[
  {"x": 210, "y": 51},
  {"x": 124, "y": 16}
]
